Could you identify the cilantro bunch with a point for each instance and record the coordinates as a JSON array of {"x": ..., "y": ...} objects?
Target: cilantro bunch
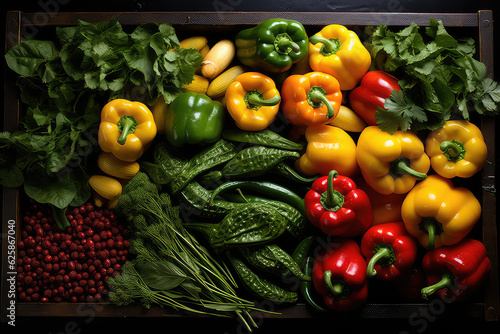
[
  {"x": 439, "y": 77},
  {"x": 65, "y": 82}
]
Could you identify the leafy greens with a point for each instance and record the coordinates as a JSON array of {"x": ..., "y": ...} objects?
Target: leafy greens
[
  {"x": 65, "y": 83},
  {"x": 438, "y": 75}
]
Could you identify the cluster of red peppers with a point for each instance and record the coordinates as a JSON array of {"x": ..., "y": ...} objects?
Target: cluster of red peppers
[{"x": 454, "y": 266}]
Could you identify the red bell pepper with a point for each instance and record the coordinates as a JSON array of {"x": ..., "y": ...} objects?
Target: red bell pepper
[
  {"x": 389, "y": 250},
  {"x": 410, "y": 284},
  {"x": 337, "y": 207},
  {"x": 339, "y": 275},
  {"x": 375, "y": 87},
  {"x": 456, "y": 272}
]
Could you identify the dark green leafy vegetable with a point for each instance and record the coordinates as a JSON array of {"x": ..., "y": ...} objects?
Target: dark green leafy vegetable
[
  {"x": 171, "y": 267},
  {"x": 65, "y": 83},
  {"x": 439, "y": 77}
]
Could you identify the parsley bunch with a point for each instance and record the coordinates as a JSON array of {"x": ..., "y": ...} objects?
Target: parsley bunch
[{"x": 439, "y": 77}]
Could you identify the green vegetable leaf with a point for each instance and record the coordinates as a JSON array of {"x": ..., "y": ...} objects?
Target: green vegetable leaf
[
  {"x": 25, "y": 57},
  {"x": 161, "y": 275},
  {"x": 58, "y": 190},
  {"x": 438, "y": 76},
  {"x": 437, "y": 31},
  {"x": 399, "y": 113},
  {"x": 488, "y": 102},
  {"x": 11, "y": 176}
]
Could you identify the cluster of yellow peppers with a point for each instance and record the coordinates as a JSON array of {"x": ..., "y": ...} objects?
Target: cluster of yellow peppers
[
  {"x": 434, "y": 211},
  {"x": 126, "y": 130}
]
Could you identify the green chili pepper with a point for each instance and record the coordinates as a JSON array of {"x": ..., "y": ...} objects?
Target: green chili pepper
[
  {"x": 168, "y": 163},
  {"x": 284, "y": 169},
  {"x": 296, "y": 221},
  {"x": 265, "y": 137},
  {"x": 300, "y": 255},
  {"x": 251, "y": 162},
  {"x": 274, "y": 260},
  {"x": 261, "y": 287},
  {"x": 245, "y": 225},
  {"x": 196, "y": 199},
  {"x": 271, "y": 189},
  {"x": 216, "y": 154}
]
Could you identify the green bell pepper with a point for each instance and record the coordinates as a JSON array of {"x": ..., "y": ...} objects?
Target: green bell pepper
[
  {"x": 272, "y": 46},
  {"x": 193, "y": 119}
]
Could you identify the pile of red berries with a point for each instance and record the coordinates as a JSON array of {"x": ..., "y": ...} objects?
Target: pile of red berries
[{"x": 71, "y": 265}]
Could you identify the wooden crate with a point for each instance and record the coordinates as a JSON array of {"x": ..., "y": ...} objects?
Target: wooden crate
[{"x": 480, "y": 23}]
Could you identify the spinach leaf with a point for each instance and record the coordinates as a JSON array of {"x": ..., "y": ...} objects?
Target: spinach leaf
[
  {"x": 29, "y": 55},
  {"x": 56, "y": 190},
  {"x": 161, "y": 275}
]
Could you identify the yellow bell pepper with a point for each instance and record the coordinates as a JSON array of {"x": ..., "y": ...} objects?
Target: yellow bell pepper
[
  {"x": 456, "y": 149},
  {"x": 126, "y": 128},
  {"x": 438, "y": 214},
  {"x": 328, "y": 148},
  {"x": 391, "y": 163},
  {"x": 253, "y": 101},
  {"x": 337, "y": 51}
]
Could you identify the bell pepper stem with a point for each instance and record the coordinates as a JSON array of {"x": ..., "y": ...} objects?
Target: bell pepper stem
[
  {"x": 331, "y": 199},
  {"x": 382, "y": 253},
  {"x": 453, "y": 150},
  {"x": 400, "y": 167},
  {"x": 330, "y": 46},
  {"x": 257, "y": 99},
  {"x": 336, "y": 289},
  {"x": 446, "y": 280},
  {"x": 126, "y": 125},
  {"x": 316, "y": 94},
  {"x": 284, "y": 44},
  {"x": 430, "y": 227}
]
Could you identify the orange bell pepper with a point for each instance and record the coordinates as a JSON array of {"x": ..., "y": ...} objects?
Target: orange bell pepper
[
  {"x": 310, "y": 99},
  {"x": 385, "y": 208}
]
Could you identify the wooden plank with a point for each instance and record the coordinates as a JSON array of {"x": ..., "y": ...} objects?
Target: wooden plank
[
  {"x": 298, "y": 311},
  {"x": 490, "y": 233},
  {"x": 246, "y": 18}
]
